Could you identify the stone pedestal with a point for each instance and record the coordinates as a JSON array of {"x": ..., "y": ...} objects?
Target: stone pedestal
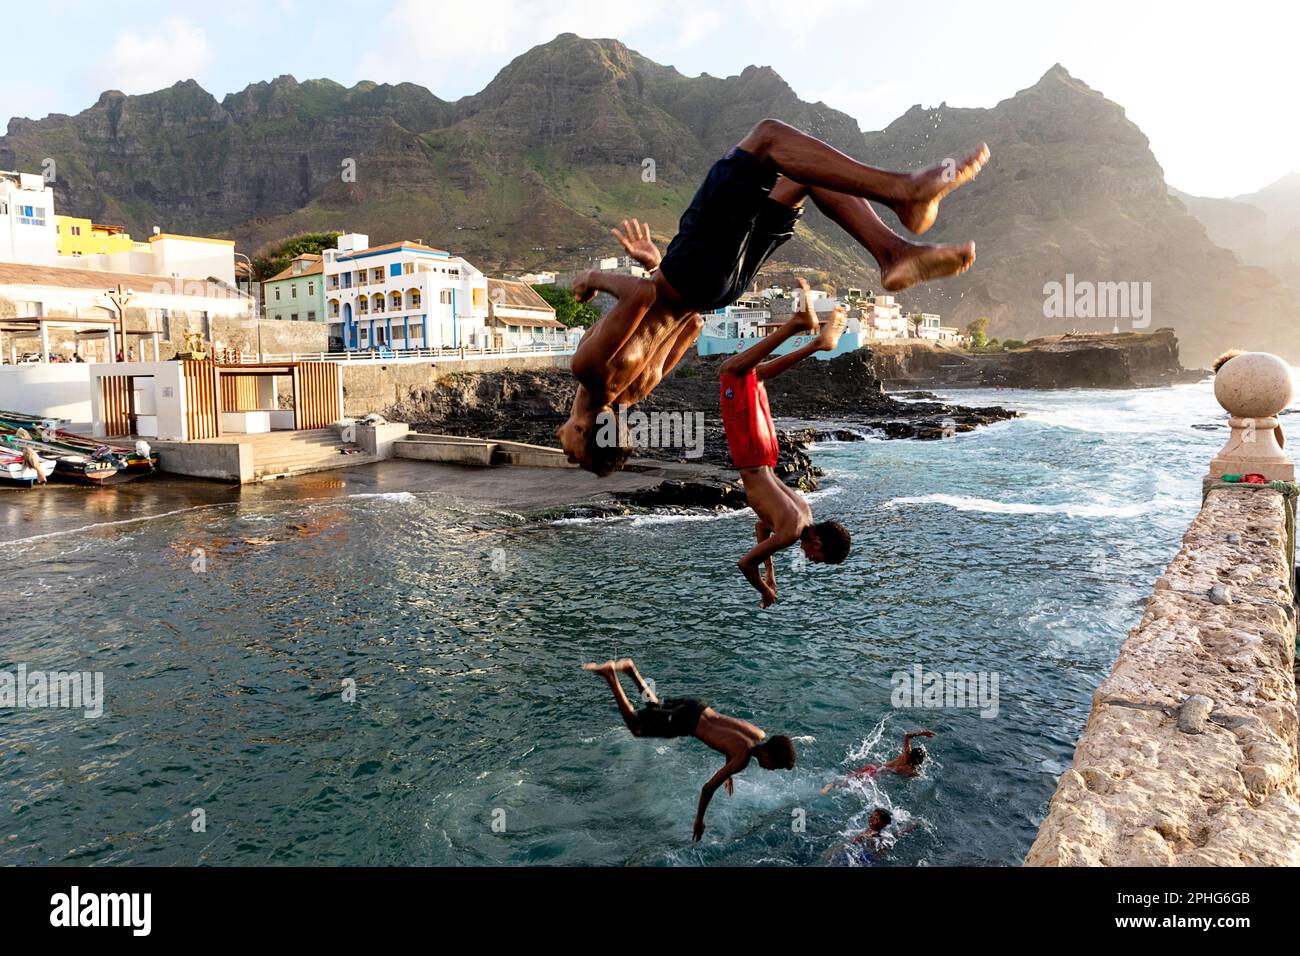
[{"x": 1253, "y": 387}]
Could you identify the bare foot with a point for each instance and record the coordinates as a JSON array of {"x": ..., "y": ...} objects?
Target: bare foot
[
  {"x": 831, "y": 330},
  {"x": 805, "y": 320},
  {"x": 921, "y": 262},
  {"x": 605, "y": 669},
  {"x": 931, "y": 184},
  {"x": 581, "y": 290}
]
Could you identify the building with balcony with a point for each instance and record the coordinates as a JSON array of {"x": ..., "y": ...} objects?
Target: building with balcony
[{"x": 402, "y": 295}]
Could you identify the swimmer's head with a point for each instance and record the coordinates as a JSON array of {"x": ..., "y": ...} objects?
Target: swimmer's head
[
  {"x": 775, "y": 753},
  {"x": 916, "y": 756},
  {"x": 880, "y": 818},
  {"x": 598, "y": 442},
  {"x": 826, "y": 542}
]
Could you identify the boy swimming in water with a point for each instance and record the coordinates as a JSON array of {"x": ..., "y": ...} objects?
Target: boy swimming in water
[
  {"x": 867, "y": 847},
  {"x": 745, "y": 209},
  {"x": 737, "y": 740},
  {"x": 906, "y": 764},
  {"x": 784, "y": 518}
]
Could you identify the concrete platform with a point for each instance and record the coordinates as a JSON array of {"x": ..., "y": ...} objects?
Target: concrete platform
[{"x": 260, "y": 457}]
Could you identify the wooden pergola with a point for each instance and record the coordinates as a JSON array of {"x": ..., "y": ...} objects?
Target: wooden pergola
[{"x": 38, "y": 326}]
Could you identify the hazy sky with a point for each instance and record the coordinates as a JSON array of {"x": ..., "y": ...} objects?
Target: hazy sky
[{"x": 1212, "y": 85}]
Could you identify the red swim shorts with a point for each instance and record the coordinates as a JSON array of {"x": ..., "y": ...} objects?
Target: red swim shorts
[{"x": 747, "y": 419}]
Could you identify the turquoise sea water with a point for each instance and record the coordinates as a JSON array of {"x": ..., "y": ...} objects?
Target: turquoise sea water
[{"x": 1025, "y": 549}]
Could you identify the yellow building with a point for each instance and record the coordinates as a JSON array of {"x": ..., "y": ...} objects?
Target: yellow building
[{"x": 81, "y": 237}]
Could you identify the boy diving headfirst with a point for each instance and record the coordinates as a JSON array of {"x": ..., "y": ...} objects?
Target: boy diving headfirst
[
  {"x": 745, "y": 209},
  {"x": 737, "y": 740},
  {"x": 783, "y": 516}
]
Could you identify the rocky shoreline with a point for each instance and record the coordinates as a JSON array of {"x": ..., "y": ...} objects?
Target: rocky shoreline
[
  {"x": 1073, "y": 360},
  {"x": 843, "y": 392}
]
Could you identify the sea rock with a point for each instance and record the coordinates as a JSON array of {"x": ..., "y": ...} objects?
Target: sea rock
[{"x": 1221, "y": 594}]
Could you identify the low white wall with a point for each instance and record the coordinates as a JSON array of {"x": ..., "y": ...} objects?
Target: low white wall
[{"x": 52, "y": 390}]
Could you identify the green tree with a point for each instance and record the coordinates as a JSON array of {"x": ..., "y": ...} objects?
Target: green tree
[
  {"x": 979, "y": 333},
  {"x": 1011, "y": 344},
  {"x": 274, "y": 257},
  {"x": 568, "y": 310}
]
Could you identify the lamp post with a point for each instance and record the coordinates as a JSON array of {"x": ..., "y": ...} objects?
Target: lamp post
[
  {"x": 252, "y": 303},
  {"x": 120, "y": 296}
]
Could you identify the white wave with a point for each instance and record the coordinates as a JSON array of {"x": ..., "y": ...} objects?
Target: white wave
[
  {"x": 1071, "y": 509},
  {"x": 649, "y": 520},
  {"x": 384, "y": 495},
  {"x": 111, "y": 524}
]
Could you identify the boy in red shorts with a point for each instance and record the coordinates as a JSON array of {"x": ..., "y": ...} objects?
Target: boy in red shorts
[{"x": 783, "y": 516}]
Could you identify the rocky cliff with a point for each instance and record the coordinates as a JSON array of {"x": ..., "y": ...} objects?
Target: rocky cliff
[
  {"x": 1125, "y": 360},
  {"x": 531, "y": 171}
]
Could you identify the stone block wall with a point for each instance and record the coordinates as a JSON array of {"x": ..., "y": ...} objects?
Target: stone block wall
[{"x": 1189, "y": 757}]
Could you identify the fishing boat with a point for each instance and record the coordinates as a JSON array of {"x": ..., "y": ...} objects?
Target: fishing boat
[
  {"x": 129, "y": 460},
  {"x": 17, "y": 469},
  {"x": 93, "y": 469}
]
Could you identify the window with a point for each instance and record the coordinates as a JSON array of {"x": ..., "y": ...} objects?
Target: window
[
  {"x": 417, "y": 331},
  {"x": 277, "y": 294},
  {"x": 311, "y": 316},
  {"x": 380, "y": 338},
  {"x": 76, "y": 230},
  {"x": 377, "y": 274},
  {"x": 408, "y": 268},
  {"x": 293, "y": 292},
  {"x": 311, "y": 288},
  {"x": 365, "y": 336},
  {"x": 293, "y": 317},
  {"x": 445, "y": 297},
  {"x": 332, "y": 283}
]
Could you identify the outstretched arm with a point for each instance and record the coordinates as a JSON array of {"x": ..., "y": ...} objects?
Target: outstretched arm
[
  {"x": 636, "y": 242},
  {"x": 709, "y": 789},
  {"x": 761, "y": 533},
  {"x": 749, "y": 565}
]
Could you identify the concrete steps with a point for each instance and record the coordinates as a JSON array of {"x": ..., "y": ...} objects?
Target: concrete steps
[{"x": 291, "y": 453}]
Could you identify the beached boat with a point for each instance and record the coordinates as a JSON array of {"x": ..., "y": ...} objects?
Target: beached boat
[
  {"x": 128, "y": 460},
  {"x": 16, "y": 469}
]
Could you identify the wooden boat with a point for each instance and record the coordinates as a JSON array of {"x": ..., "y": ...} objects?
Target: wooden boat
[
  {"x": 68, "y": 466},
  {"x": 131, "y": 460},
  {"x": 16, "y": 469}
]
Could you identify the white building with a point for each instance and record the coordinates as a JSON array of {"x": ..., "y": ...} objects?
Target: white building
[
  {"x": 27, "y": 228},
  {"x": 56, "y": 311},
  {"x": 402, "y": 295},
  {"x": 522, "y": 319},
  {"x": 883, "y": 318}
]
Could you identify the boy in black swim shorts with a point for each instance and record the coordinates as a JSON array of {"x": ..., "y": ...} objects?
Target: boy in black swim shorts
[{"x": 737, "y": 740}]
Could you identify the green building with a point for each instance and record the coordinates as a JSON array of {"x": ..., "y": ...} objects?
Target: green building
[{"x": 298, "y": 293}]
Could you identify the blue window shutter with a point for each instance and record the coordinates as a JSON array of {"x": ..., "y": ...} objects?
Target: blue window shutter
[{"x": 395, "y": 269}]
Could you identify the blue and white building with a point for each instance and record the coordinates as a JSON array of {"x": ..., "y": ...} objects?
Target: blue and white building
[{"x": 402, "y": 295}]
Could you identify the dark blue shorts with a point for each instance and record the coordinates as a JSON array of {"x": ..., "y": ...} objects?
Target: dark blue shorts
[
  {"x": 731, "y": 228},
  {"x": 671, "y": 717}
]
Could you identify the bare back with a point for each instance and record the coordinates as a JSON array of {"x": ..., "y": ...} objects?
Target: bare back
[
  {"x": 777, "y": 505},
  {"x": 730, "y": 736}
]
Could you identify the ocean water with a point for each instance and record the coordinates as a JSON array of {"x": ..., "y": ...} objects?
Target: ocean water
[{"x": 1024, "y": 550}]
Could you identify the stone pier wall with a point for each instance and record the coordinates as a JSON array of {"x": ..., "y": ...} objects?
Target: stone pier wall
[{"x": 1189, "y": 755}]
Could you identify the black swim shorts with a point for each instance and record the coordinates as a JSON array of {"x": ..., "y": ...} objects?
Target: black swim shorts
[
  {"x": 730, "y": 229},
  {"x": 671, "y": 717}
]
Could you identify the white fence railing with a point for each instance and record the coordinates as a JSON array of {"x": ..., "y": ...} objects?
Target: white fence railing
[{"x": 399, "y": 355}]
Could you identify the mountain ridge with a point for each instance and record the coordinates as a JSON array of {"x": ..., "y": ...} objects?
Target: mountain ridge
[{"x": 530, "y": 172}]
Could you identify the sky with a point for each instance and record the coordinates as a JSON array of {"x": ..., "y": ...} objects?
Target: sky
[{"x": 1211, "y": 85}]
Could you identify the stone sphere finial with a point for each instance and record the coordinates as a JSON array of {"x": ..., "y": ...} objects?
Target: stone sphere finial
[{"x": 1254, "y": 385}]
